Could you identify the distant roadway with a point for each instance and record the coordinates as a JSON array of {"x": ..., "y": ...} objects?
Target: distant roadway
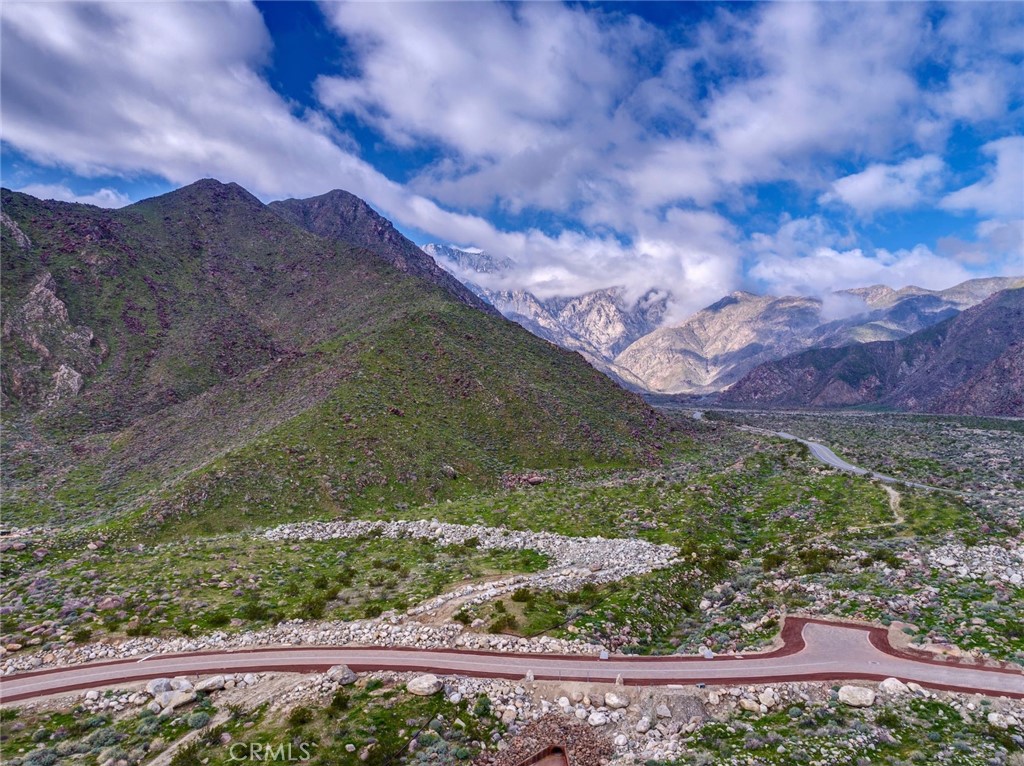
[
  {"x": 812, "y": 651},
  {"x": 827, "y": 456}
]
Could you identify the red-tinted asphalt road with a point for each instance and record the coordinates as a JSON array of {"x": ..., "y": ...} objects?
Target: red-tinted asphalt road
[{"x": 812, "y": 651}]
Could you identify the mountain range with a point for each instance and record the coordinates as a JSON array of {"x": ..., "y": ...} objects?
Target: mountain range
[
  {"x": 201, "y": 362},
  {"x": 971, "y": 363},
  {"x": 712, "y": 349}
]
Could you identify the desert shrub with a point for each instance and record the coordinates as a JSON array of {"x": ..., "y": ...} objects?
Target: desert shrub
[{"x": 300, "y": 716}]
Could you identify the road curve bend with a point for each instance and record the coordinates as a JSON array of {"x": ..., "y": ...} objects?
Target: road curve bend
[
  {"x": 812, "y": 651},
  {"x": 830, "y": 458}
]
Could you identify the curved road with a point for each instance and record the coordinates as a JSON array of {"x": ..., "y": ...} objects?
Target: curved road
[
  {"x": 827, "y": 456},
  {"x": 812, "y": 651}
]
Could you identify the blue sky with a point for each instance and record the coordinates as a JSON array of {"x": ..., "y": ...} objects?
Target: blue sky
[{"x": 698, "y": 148}]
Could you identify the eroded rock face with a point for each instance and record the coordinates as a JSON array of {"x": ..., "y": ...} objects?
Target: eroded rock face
[
  {"x": 19, "y": 236},
  {"x": 47, "y": 357}
]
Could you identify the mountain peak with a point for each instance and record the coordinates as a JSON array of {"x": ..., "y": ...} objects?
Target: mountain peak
[
  {"x": 457, "y": 259},
  {"x": 342, "y": 216},
  {"x": 205, "y": 191}
]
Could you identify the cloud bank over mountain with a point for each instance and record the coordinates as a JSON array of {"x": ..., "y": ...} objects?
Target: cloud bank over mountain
[{"x": 785, "y": 147}]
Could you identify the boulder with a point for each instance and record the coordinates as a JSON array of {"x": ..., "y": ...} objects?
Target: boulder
[
  {"x": 342, "y": 674},
  {"x": 750, "y": 705},
  {"x": 616, "y": 700},
  {"x": 643, "y": 725},
  {"x": 856, "y": 696},
  {"x": 213, "y": 684},
  {"x": 158, "y": 685},
  {"x": 767, "y": 697},
  {"x": 662, "y": 711},
  {"x": 1001, "y": 721},
  {"x": 597, "y": 718},
  {"x": 174, "y": 699},
  {"x": 893, "y": 686},
  {"x": 425, "y": 685}
]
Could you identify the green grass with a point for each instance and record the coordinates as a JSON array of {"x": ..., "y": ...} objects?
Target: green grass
[
  {"x": 378, "y": 719},
  {"x": 920, "y": 731},
  {"x": 240, "y": 582}
]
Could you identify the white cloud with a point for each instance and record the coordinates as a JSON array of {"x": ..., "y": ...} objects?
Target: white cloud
[
  {"x": 101, "y": 197},
  {"x": 830, "y": 79},
  {"x": 161, "y": 88},
  {"x": 975, "y": 95},
  {"x": 888, "y": 187},
  {"x": 998, "y": 246},
  {"x": 788, "y": 262},
  {"x": 548, "y": 106},
  {"x": 1001, "y": 191},
  {"x": 591, "y": 115},
  {"x": 487, "y": 79}
]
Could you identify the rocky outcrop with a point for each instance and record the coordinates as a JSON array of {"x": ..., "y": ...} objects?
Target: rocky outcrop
[
  {"x": 467, "y": 262},
  {"x": 47, "y": 358},
  {"x": 20, "y": 238}
]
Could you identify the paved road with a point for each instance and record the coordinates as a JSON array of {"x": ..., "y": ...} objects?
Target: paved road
[
  {"x": 812, "y": 651},
  {"x": 827, "y": 456}
]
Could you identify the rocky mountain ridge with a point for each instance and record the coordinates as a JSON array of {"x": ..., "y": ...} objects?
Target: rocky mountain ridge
[
  {"x": 968, "y": 364},
  {"x": 598, "y": 324},
  {"x": 716, "y": 346},
  {"x": 342, "y": 216}
]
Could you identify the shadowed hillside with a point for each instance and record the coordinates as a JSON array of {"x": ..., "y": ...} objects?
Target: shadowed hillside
[{"x": 969, "y": 364}]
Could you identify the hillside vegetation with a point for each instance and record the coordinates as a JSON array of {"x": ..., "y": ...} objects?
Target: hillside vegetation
[{"x": 196, "y": 357}]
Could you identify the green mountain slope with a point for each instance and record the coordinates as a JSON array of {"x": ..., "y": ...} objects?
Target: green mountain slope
[{"x": 198, "y": 362}]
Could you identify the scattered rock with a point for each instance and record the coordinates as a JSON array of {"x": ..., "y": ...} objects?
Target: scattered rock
[
  {"x": 750, "y": 705},
  {"x": 158, "y": 685},
  {"x": 168, "y": 701}
]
